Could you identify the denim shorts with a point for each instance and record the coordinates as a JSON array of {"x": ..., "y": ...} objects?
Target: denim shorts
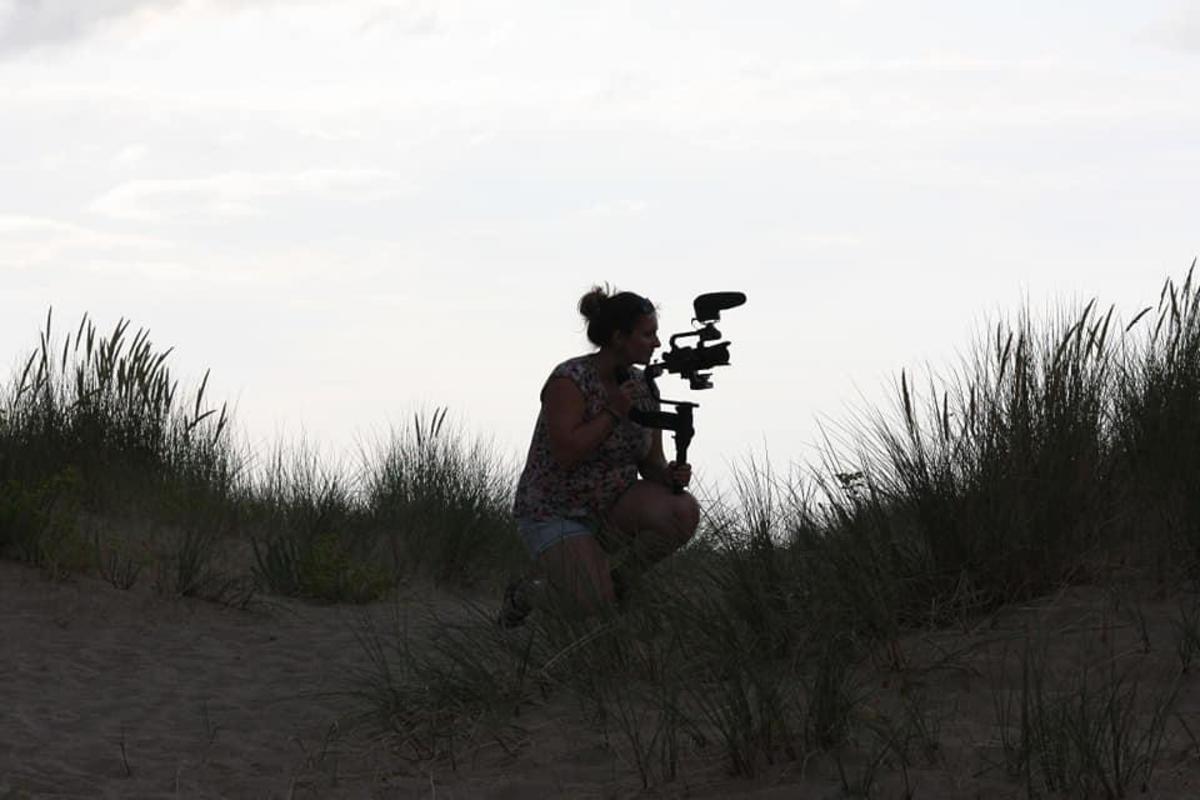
[{"x": 541, "y": 534}]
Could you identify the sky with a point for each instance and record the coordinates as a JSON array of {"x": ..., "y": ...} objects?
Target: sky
[{"x": 356, "y": 210}]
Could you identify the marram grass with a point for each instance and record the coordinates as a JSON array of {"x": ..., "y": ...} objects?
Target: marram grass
[{"x": 1060, "y": 451}]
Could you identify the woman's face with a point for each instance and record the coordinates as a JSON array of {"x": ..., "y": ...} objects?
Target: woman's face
[{"x": 639, "y": 345}]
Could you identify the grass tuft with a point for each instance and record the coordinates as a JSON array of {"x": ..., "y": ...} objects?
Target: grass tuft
[{"x": 1063, "y": 451}]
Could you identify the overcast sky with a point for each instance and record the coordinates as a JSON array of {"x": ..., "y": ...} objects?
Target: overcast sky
[{"x": 354, "y": 209}]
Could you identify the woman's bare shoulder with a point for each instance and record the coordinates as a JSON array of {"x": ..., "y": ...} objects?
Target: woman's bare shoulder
[
  {"x": 574, "y": 367},
  {"x": 566, "y": 380}
]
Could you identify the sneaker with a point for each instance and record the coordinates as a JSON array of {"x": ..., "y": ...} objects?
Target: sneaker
[{"x": 516, "y": 606}]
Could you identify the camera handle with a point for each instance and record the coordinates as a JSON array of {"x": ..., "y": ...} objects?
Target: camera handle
[{"x": 680, "y": 423}]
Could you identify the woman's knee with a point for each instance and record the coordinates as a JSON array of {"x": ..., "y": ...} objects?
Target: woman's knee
[
  {"x": 653, "y": 507},
  {"x": 685, "y": 517}
]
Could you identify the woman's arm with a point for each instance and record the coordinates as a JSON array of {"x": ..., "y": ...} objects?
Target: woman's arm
[
  {"x": 572, "y": 439},
  {"x": 654, "y": 466}
]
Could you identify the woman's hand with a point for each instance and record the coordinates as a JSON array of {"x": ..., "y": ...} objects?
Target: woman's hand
[
  {"x": 679, "y": 474},
  {"x": 622, "y": 399}
]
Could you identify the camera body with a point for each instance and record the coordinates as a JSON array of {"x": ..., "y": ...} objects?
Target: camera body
[{"x": 691, "y": 363}]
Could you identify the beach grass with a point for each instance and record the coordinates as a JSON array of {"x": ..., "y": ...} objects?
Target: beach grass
[{"x": 1061, "y": 452}]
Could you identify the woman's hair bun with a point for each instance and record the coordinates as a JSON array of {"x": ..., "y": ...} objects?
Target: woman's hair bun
[
  {"x": 607, "y": 312},
  {"x": 590, "y": 303}
]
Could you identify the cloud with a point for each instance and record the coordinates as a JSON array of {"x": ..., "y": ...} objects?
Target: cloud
[
  {"x": 1179, "y": 30},
  {"x": 166, "y": 271},
  {"x": 30, "y": 24},
  {"x": 27, "y": 241},
  {"x": 413, "y": 18},
  {"x": 130, "y": 155},
  {"x": 27, "y": 24},
  {"x": 620, "y": 208},
  {"x": 235, "y": 194},
  {"x": 45, "y": 247}
]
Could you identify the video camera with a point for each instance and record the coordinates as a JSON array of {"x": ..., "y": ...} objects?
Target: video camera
[{"x": 689, "y": 363}]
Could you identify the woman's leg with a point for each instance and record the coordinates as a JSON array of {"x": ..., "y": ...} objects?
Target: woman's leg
[
  {"x": 648, "y": 519},
  {"x": 652, "y": 522},
  {"x": 578, "y": 566}
]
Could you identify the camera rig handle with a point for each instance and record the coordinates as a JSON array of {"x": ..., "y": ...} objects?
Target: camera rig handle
[{"x": 680, "y": 422}]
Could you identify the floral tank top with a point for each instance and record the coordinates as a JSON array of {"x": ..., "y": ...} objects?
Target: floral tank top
[{"x": 546, "y": 490}]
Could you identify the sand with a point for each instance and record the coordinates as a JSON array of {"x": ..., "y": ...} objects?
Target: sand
[{"x": 109, "y": 693}]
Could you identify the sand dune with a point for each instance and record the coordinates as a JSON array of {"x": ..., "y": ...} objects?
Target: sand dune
[
  {"x": 126, "y": 694},
  {"x": 105, "y": 693}
]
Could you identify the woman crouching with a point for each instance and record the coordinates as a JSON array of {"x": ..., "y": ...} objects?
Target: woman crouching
[{"x": 579, "y": 499}]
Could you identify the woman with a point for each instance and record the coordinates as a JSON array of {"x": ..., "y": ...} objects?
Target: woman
[{"x": 579, "y": 498}]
